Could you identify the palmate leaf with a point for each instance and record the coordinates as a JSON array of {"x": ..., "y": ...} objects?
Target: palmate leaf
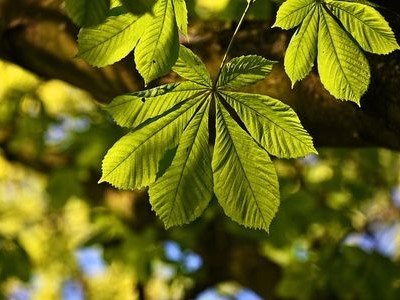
[
  {"x": 245, "y": 182},
  {"x": 87, "y": 12},
  {"x": 111, "y": 41},
  {"x": 333, "y": 32},
  {"x": 186, "y": 188},
  {"x": 366, "y": 25},
  {"x": 244, "y": 70},
  {"x": 177, "y": 116},
  {"x": 158, "y": 47}
]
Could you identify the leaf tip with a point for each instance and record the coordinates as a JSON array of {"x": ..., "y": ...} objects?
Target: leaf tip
[{"x": 101, "y": 180}]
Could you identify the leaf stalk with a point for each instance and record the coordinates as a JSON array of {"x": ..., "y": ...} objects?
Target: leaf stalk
[{"x": 246, "y": 10}]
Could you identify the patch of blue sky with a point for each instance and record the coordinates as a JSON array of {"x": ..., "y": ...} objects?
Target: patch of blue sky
[
  {"x": 91, "y": 261},
  {"x": 382, "y": 239},
  {"x": 310, "y": 159},
  {"x": 20, "y": 293},
  {"x": 212, "y": 294},
  {"x": 72, "y": 290},
  {"x": 386, "y": 240},
  {"x": 247, "y": 294},
  {"x": 59, "y": 132},
  {"x": 395, "y": 196},
  {"x": 241, "y": 294},
  {"x": 360, "y": 240},
  {"x": 192, "y": 262},
  {"x": 173, "y": 251}
]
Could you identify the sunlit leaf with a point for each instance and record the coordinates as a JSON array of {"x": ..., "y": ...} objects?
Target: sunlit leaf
[
  {"x": 180, "y": 169},
  {"x": 366, "y": 25},
  {"x": 244, "y": 70},
  {"x": 292, "y": 12},
  {"x": 190, "y": 66},
  {"x": 186, "y": 188},
  {"x": 272, "y": 123},
  {"x": 245, "y": 181},
  {"x": 130, "y": 110},
  {"x": 158, "y": 47},
  {"x": 181, "y": 16},
  {"x": 302, "y": 50},
  {"x": 111, "y": 41},
  {"x": 133, "y": 161},
  {"x": 343, "y": 68}
]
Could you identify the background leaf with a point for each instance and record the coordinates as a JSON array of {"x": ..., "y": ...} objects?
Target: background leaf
[
  {"x": 366, "y": 25},
  {"x": 244, "y": 70},
  {"x": 302, "y": 50},
  {"x": 343, "y": 68},
  {"x": 158, "y": 48},
  {"x": 184, "y": 191},
  {"x": 111, "y": 41},
  {"x": 181, "y": 16},
  {"x": 292, "y": 12},
  {"x": 87, "y": 12},
  {"x": 138, "y": 7},
  {"x": 245, "y": 181}
]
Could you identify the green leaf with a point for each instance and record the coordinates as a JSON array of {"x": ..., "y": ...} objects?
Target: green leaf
[
  {"x": 111, "y": 41},
  {"x": 158, "y": 47},
  {"x": 190, "y": 66},
  {"x": 131, "y": 110},
  {"x": 132, "y": 162},
  {"x": 138, "y": 7},
  {"x": 369, "y": 3},
  {"x": 366, "y": 25},
  {"x": 343, "y": 68},
  {"x": 245, "y": 181},
  {"x": 115, "y": 3},
  {"x": 87, "y": 12},
  {"x": 181, "y": 16},
  {"x": 244, "y": 70},
  {"x": 184, "y": 191},
  {"x": 272, "y": 123},
  {"x": 169, "y": 147},
  {"x": 292, "y": 12},
  {"x": 302, "y": 50}
]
